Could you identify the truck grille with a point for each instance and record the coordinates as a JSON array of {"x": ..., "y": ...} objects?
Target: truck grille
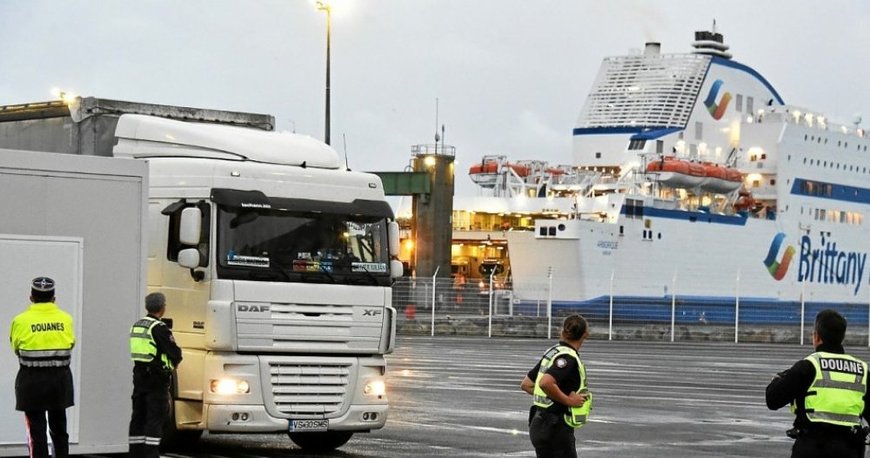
[{"x": 300, "y": 389}]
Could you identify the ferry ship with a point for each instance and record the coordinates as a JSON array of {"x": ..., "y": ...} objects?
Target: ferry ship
[{"x": 693, "y": 182}]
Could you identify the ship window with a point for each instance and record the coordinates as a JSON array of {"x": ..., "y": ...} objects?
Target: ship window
[
  {"x": 552, "y": 231},
  {"x": 598, "y": 155},
  {"x": 660, "y": 235},
  {"x": 660, "y": 146},
  {"x": 621, "y": 230},
  {"x": 756, "y": 184},
  {"x": 738, "y": 102},
  {"x": 749, "y": 108},
  {"x": 805, "y": 160},
  {"x": 763, "y": 156},
  {"x": 846, "y": 145},
  {"x": 542, "y": 231},
  {"x": 561, "y": 227},
  {"x": 636, "y": 144},
  {"x": 699, "y": 130},
  {"x": 839, "y": 143},
  {"x": 772, "y": 182},
  {"x": 805, "y": 137}
]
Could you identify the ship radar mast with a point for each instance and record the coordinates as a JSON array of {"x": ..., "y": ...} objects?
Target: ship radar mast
[{"x": 711, "y": 43}]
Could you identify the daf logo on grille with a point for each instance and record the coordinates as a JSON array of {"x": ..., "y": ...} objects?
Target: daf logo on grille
[
  {"x": 371, "y": 312},
  {"x": 253, "y": 308}
]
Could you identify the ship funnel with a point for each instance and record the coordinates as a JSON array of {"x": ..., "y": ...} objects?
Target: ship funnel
[
  {"x": 652, "y": 48},
  {"x": 712, "y": 43}
]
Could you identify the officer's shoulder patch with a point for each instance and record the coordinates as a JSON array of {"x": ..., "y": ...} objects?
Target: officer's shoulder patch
[{"x": 561, "y": 362}]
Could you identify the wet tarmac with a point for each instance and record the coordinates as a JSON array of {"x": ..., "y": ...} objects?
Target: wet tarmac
[{"x": 460, "y": 397}]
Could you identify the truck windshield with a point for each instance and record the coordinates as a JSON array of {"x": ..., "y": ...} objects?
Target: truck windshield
[{"x": 269, "y": 244}]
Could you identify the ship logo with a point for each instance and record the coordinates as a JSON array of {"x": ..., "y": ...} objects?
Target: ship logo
[
  {"x": 776, "y": 268},
  {"x": 717, "y": 109}
]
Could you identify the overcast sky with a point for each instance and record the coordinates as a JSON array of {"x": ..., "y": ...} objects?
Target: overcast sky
[{"x": 510, "y": 75}]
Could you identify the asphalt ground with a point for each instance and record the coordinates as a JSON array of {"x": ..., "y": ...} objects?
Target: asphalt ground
[{"x": 460, "y": 397}]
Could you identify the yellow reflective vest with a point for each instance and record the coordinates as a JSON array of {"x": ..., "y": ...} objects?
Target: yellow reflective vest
[
  {"x": 143, "y": 348},
  {"x": 576, "y": 416},
  {"x": 836, "y": 395},
  {"x": 42, "y": 336}
]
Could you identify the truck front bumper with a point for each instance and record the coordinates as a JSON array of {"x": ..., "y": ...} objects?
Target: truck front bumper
[{"x": 255, "y": 419}]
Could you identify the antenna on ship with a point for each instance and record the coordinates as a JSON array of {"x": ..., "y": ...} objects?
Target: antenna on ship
[
  {"x": 436, "y": 126},
  {"x": 344, "y": 141}
]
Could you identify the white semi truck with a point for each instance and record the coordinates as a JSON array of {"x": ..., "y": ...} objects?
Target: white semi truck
[{"x": 276, "y": 261}]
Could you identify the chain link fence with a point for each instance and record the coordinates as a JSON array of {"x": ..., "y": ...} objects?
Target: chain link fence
[{"x": 445, "y": 306}]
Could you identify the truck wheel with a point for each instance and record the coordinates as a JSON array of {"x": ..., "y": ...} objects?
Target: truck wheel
[{"x": 324, "y": 441}]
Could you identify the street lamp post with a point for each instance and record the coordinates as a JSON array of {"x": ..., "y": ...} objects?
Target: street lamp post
[{"x": 324, "y": 6}]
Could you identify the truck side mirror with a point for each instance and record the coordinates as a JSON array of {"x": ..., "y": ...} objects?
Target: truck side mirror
[
  {"x": 393, "y": 231},
  {"x": 397, "y": 269},
  {"x": 188, "y": 258},
  {"x": 190, "y": 228}
]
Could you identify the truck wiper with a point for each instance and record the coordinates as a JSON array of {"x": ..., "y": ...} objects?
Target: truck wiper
[{"x": 369, "y": 274}]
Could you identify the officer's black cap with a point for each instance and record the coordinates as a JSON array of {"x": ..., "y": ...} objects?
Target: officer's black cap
[{"x": 42, "y": 285}]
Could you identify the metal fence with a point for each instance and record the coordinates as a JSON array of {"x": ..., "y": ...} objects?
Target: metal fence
[{"x": 489, "y": 307}]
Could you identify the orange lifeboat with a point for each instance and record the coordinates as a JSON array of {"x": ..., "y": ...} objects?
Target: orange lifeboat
[
  {"x": 708, "y": 176},
  {"x": 720, "y": 179},
  {"x": 677, "y": 172},
  {"x": 485, "y": 173}
]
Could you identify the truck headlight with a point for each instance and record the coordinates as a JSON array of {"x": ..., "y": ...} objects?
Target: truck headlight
[
  {"x": 375, "y": 388},
  {"x": 228, "y": 386}
]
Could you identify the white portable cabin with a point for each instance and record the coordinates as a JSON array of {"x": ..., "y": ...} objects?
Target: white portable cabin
[{"x": 78, "y": 220}]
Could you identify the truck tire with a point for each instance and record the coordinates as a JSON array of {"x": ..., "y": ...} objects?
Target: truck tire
[{"x": 324, "y": 441}]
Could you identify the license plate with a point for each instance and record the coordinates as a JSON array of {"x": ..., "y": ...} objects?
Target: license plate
[{"x": 309, "y": 425}]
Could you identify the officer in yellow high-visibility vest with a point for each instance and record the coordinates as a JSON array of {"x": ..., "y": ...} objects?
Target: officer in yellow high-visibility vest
[
  {"x": 827, "y": 391},
  {"x": 561, "y": 399},
  {"x": 43, "y": 339},
  {"x": 154, "y": 355}
]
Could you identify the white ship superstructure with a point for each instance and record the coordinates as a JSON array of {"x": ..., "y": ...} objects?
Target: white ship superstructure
[{"x": 692, "y": 178}]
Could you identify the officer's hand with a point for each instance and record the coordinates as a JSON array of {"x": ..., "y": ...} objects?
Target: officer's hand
[{"x": 576, "y": 399}]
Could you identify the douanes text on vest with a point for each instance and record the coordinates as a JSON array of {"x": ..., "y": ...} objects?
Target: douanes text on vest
[
  {"x": 42, "y": 327},
  {"x": 841, "y": 365}
]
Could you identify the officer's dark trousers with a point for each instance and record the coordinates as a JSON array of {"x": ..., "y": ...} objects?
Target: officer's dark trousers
[
  {"x": 551, "y": 437},
  {"x": 827, "y": 446},
  {"x": 150, "y": 411},
  {"x": 38, "y": 441}
]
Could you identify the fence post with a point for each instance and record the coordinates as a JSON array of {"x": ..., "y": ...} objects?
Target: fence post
[
  {"x": 490, "y": 301},
  {"x": 803, "y": 309},
  {"x": 433, "y": 299},
  {"x": 550, "y": 302},
  {"x": 610, "y": 319},
  {"x": 737, "y": 308},
  {"x": 673, "y": 304}
]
